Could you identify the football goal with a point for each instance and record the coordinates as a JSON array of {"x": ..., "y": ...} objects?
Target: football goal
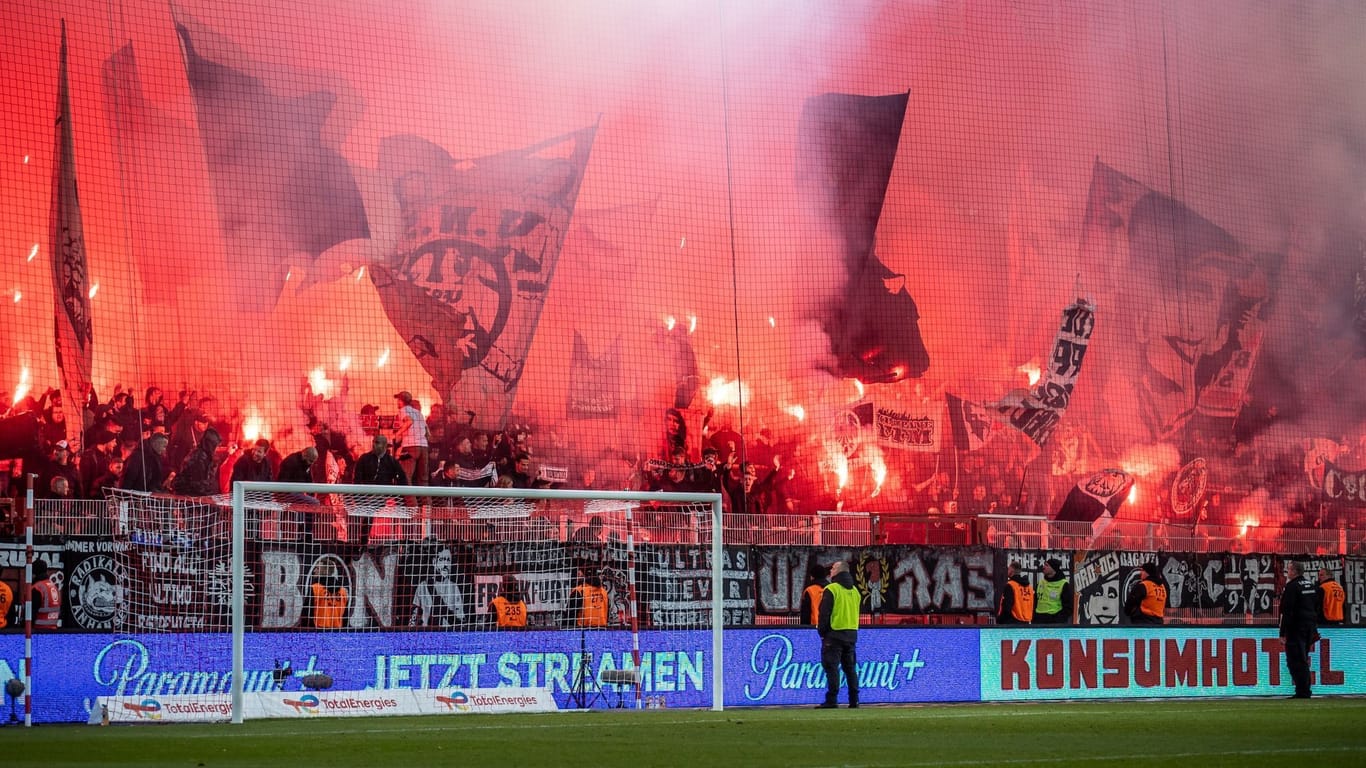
[{"x": 288, "y": 600}]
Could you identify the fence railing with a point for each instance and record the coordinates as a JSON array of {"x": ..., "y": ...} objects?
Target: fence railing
[
  {"x": 556, "y": 520},
  {"x": 284, "y": 519},
  {"x": 1038, "y": 533}
]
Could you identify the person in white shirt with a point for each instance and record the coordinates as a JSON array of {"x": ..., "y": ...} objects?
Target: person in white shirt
[{"x": 410, "y": 433}]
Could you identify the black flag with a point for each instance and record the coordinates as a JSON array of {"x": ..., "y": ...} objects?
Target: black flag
[
  {"x": 282, "y": 188},
  {"x": 846, "y": 146}
]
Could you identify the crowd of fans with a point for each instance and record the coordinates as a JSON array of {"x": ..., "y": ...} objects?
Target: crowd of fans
[
  {"x": 187, "y": 447},
  {"x": 193, "y": 446}
]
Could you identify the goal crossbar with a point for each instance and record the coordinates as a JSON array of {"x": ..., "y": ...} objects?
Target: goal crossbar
[{"x": 242, "y": 499}]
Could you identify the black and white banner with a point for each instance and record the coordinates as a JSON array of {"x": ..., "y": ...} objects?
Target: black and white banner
[
  {"x": 675, "y": 586},
  {"x": 1235, "y": 584},
  {"x": 1101, "y": 581},
  {"x": 1037, "y": 412},
  {"x": 892, "y": 580},
  {"x": 93, "y": 592},
  {"x": 1343, "y": 486},
  {"x": 1354, "y": 585},
  {"x": 916, "y": 428},
  {"x": 150, "y": 586}
]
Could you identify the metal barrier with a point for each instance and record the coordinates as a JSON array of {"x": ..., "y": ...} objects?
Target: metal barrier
[
  {"x": 555, "y": 520},
  {"x": 921, "y": 529},
  {"x": 1022, "y": 532},
  {"x": 844, "y": 529},
  {"x": 72, "y": 517}
]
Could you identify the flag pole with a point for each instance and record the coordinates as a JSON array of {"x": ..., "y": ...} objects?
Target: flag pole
[
  {"x": 955, "y": 473},
  {"x": 1019, "y": 495}
]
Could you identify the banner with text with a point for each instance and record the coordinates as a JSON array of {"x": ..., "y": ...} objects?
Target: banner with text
[
  {"x": 779, "y": 666},
  {"x": 281, "y": 705},
  {"x": 894, "y": 579},
  {"x": 1029, "y": 663}
]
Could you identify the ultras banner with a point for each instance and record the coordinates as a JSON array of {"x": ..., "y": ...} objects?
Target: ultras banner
[
  {"x": 895, "y": 580},
  {"x": 162, "y": 585}
]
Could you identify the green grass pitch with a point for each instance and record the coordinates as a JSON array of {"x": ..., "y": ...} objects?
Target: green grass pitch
[{"x": 1242, "y": 733}]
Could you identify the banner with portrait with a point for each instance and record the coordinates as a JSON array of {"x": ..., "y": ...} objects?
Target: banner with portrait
[
  {"x": 1102, "y": 580},
  {"x": 1187, "y": 307}
]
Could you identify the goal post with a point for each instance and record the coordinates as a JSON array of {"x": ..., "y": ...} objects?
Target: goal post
[{"x": 428, "y": 546}]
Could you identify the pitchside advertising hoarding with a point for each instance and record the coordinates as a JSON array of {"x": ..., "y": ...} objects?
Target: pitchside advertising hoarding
[
  {"x": 217, "y": 707},
  {"x": 1133, "y": 662},
  {"x": 782, "y": 666},
  {"x": 763, "y": 667}
]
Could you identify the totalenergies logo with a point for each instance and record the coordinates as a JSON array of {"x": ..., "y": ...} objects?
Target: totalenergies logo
[
  {"x": 457, "y": 701},
  {"x": 305, "y": 705},
  {"x": 148, "y": 709}
]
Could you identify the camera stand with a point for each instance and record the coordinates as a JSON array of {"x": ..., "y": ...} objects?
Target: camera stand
[
  {"x": 14, "y": 688},
  {"x": 586, "y": 690}
]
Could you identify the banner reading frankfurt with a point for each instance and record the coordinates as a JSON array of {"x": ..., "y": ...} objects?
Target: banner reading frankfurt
[
  {"x": 72, "y": 331},
  {"x": 482, "y": 238}
]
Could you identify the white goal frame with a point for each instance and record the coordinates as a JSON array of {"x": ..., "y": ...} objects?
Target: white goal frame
[{"x": 241, "y": 489}]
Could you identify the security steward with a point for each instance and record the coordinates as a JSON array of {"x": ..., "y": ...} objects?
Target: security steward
[
  {"x": 1017, "y": 599},
  {"x": 1331, "y": 598},
  {"x": 588, "y": 604},
  {"x": 811, "y": 596},
  {"x": 45, "y": 598},
  {"x": 1299, "y": 614},
  {"x": 6, "y": 600},
  {"x": 838, "y": 628},
  {"x": 329, "y": 599},
  {"x": 1147, "y": 600},
  {"x": 1054, "y": 597},
  {"x": 509, "y": 608}
]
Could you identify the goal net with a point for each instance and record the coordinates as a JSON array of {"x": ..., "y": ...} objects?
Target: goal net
[{"x": 288, "y": 600}]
